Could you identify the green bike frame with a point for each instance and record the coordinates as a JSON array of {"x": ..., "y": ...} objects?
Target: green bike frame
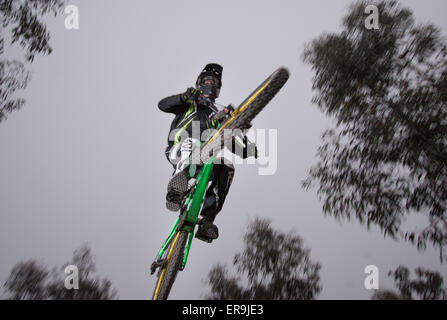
[{"x": 187, "y": 221}]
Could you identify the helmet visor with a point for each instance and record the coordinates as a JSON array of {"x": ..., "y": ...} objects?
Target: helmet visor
[{"x": 208, "y": 87}]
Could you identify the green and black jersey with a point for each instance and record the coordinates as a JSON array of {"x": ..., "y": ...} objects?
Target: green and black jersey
[{"x": 185, "y": 113}]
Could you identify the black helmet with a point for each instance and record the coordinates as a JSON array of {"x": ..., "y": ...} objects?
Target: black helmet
[{"x": 212, "y": 71}]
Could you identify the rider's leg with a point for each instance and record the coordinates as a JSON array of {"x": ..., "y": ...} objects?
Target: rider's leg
[
  {"x": 210, "y": 200},
  {"x": 225, "y": 173},
  {"x": 218, "y": 190},
  {"x": 179, "y": 156},
  {"x": 214, "y": 199}
]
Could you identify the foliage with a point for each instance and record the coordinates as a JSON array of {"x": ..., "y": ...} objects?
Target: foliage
[
  {"x": 21, "y": 22},
  {"x": 427, "y": 286},
  {"x": 274, "y": 265},
  {"x": 33, "y": 281},
  {"x": 386, "y": 157}
]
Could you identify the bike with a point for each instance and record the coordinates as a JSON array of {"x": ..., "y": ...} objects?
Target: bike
[{"x": 174, "y": 252}]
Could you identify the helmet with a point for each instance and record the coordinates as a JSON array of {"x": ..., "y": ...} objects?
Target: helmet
[{"x": 212, "y": 71}]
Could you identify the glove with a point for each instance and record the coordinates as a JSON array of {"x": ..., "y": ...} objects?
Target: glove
[
  {"x": 189, "y": 95},
  {"x": 252, "y": 150},
  {"x": 229, "y": 110},
  {"x": 245, "y": 150},
  {"x": 225, "y": 112}
]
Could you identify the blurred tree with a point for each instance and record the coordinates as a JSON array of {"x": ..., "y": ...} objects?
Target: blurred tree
[
  {"x": 427, "y": 286},
  {"x": 27, "y": 281},
  {"x": 22, "y": 24},
  {"x": 385, "y": 295},
  {"x": 386, "y": 158},
  {"x": 33, "y": 281},
  {"x": 274, "y": 265}
]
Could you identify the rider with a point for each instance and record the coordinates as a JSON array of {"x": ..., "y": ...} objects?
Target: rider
[{"x": 197, "y": 104}]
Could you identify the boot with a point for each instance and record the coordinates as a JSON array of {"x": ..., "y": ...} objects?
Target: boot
[
  {"x": 177, "y": 188},
  {"x": 207, "y": 231}
]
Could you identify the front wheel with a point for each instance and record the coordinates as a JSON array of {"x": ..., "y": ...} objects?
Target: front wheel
[
  {"x": 243, "y": 115},
  {"x": 173, "y": 262},
  {"x": 258, "y": 99}
]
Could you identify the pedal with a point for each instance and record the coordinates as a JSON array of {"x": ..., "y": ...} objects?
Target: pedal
[
  {"x": 207, "y": 240},
  {"x": 199, "y": 236}
]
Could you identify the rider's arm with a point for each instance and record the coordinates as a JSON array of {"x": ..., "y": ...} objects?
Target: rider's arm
[
  {"x": 173, "y": 104},
  {"x": 178, "y": 103}
]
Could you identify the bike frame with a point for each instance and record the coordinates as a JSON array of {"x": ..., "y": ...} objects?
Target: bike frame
[{"x": 188, "y": 217}]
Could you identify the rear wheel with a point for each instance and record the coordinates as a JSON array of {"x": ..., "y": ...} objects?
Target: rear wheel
[{"x": 173, "y": 262}]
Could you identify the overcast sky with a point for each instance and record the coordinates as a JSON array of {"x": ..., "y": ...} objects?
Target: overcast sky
[{"x": 83, "y": 160}]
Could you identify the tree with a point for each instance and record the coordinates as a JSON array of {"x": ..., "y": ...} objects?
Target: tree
[
  {"x": 275, "y": 266},
  {"x": 386, "y": 157},
  {"x": 27, "y": 281},
  {"x": 427, "y": 286},
  {"x": 20, "y": 22},
  {"x": 385, "y": 295},
  {"x": 33, "y": 281}
]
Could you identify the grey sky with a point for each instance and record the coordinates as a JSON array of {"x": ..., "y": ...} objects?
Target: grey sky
[{"x": 83, "y": 161}]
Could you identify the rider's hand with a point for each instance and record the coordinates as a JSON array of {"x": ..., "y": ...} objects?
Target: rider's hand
[
  {"x": 224, "y": 113},
  {"x": 252, "y": 150},
  {"x": 189, "y": 95},
  {"x": 249, "y": 149},
  {"x": 228, "y": 110}
]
